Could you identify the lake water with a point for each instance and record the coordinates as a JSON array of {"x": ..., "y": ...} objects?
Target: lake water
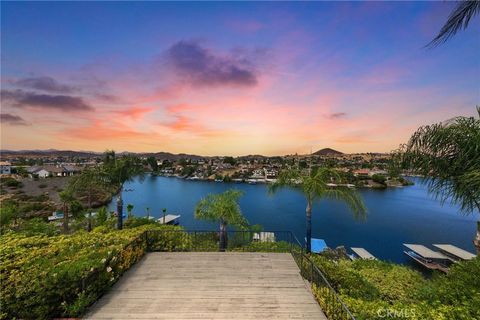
[{"x": 395, "y": 215}]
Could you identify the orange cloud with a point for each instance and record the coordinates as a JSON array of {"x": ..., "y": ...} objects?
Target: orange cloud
[
  {"x": 135, "y": 113},
  {"x": 99, "y": 130}
]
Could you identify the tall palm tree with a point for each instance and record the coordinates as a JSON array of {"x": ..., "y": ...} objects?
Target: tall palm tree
[
  {"x": 87, "y": 185},
  {"x": 316, "y": 184},
  {"x": 448, "y": 155},
  {"x": 458, "y": 20},
  {"x": 129, "y": 210},
  {"x": 66, "y": 197},
  {"x": 117, "y": 171},
  {"x": 164, "y": 211},
  {"x": 222, "y": 208}
]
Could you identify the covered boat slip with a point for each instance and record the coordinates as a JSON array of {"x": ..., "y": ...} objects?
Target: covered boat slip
[
  {"x": 454, "y": 252},
  {"x": 363, "y": 254},
  {"x": 428, "y": 258},
  {"x": 169, "y": 219}
]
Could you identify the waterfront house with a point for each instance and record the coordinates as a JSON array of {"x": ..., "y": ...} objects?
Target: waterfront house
[
  {"x": 361, "y": 173},
  {"x": 5, "y": 167},
  {"x": 377, "y": 171}
]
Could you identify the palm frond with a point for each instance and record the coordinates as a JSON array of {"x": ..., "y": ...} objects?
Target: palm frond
[
  {"x": 222, "y": 207},
  {"x": 448, "y": 155},
  {"x": 292, "y": 177},
  {"x": 458, "y": 20}
]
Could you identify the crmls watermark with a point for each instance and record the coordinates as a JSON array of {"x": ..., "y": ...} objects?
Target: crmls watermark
[{"x": 395, "y": 314}]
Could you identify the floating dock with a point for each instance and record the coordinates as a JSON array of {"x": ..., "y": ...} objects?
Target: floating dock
[
  {"x": 363, "y": 254},
  {"x": 454, "y": 253},
  {"x": 428, "y": 258},
  {"x": 169, "y": 219}
]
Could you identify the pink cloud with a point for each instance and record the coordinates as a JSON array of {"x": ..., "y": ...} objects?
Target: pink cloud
[{"x": 135, "y": 113}]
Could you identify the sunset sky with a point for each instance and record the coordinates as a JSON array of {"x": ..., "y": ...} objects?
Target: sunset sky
[{"x": 230, "y": 78}]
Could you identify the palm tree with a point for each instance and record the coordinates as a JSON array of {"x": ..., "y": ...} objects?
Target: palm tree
[
  {"x": 87, "y": 185},
  {"x": 148, "y": 212},
  {"x": 448, "y": 155},
  {"x": 314, "y": 184},
  {"x": 222, "y": 208},
  {"x": 66, "y": 197},
  {"x": 117, "y": 171},
  {"x": 458, "y": 20},
  {"x": 164, "y": 210},
  {"x": 129, "y": 210}
]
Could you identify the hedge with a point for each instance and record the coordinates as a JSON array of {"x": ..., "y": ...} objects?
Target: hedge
[
  {"x": 43, "y": 277},
  {"x": 375, "y": 290}
]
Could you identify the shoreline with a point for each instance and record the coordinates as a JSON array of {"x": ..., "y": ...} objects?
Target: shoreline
[{"x": 269, "y": 181}]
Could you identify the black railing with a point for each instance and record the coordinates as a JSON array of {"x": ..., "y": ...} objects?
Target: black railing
[
  {"x": 208, "y": 241},
  {"x": 251, "y": 241},
  {"x": 201, "y": 240},
  {"x": 331, "y": 303}
]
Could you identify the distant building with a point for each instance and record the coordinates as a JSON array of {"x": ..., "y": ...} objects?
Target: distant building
[
  {"x": 270, "y": 173},
  {"x": 53, "y": 171},
  {"x": 378, "y": 171},
  {"x": 258, "y": 174},
  {"x": 5, "y": 167},
  {"x": 38, "y": 171},
  {"x": 361, "y": 173}
]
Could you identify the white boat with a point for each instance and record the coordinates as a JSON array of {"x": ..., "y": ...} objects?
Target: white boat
[{"x": 56, "y": 216}]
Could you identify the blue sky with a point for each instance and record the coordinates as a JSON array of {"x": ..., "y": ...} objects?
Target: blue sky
[{"x": 349, "y": 75}]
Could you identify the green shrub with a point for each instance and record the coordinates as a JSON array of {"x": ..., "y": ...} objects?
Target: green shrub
[
  {"x": 372, "y": 288},
  {"x": 379, "y": 178},
  {"x": 41, "y": 276},
  {"x": 11, "y": 182},
  {"x": 174, "y": 239},
  {"x": 279, "y": 246},
  {"x": 37, "y": 226},
  {"x": 134, "y": 222}
]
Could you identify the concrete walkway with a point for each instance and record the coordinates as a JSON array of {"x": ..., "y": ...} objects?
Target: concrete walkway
[{"x": 204, "y": 285}]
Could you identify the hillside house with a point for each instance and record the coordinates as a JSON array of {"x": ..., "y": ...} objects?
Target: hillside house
[{"x": 5, "y": 167}]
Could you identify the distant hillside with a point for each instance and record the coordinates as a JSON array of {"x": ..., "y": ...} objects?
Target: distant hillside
[
  {"x": 52, "y": 153},
  {"x": 49, "y": 153},
  {"x": 327, "y": 152}
]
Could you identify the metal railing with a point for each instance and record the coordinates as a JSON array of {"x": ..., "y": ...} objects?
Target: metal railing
[
  {"x": 251, "y": 241},
  {"x": 96, "y": 284},
  {"x": 329, "y": 300},
  {"x": 203, "y": 240}
]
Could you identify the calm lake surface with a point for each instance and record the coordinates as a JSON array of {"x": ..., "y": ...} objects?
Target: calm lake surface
[{"x": 395, "y": 215}]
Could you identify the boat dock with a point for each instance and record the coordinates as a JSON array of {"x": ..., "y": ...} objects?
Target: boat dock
[
  {"x": 428, "y": 258},
  {"x": 169, "y": 219},
  {"x": 363, "y": 254},
  {"x": 454, "y": 253}
]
